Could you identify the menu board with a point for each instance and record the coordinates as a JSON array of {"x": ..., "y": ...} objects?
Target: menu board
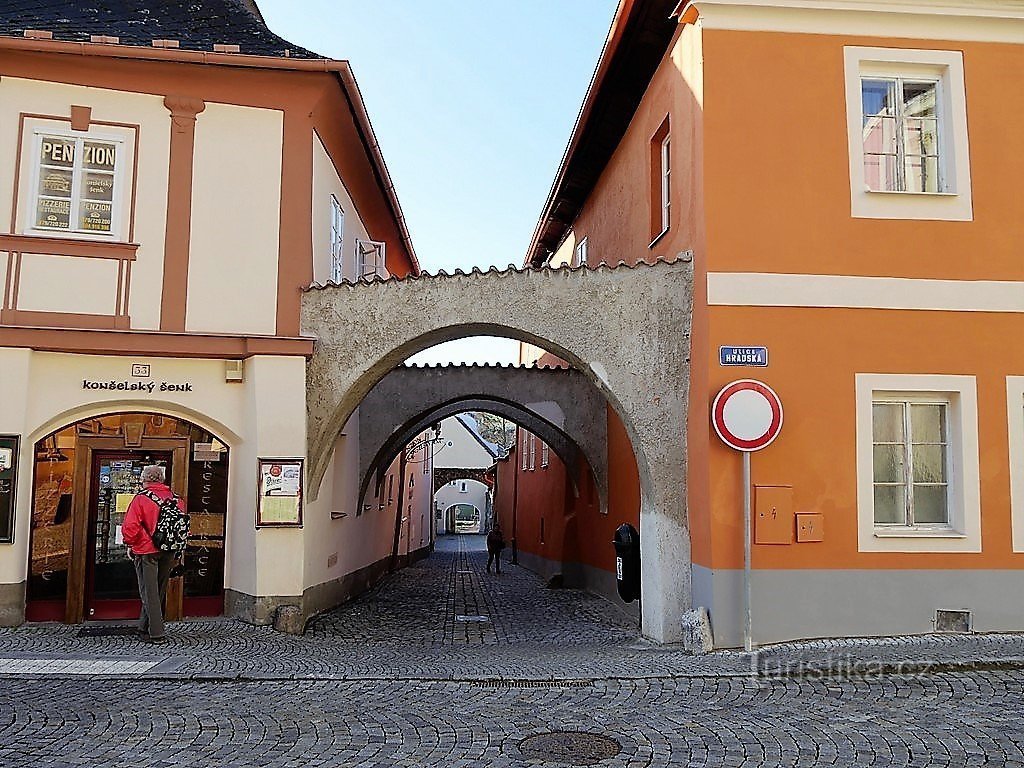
[
  {"x": 279, "y": 500},
  {"x": 8, "y": 485}
]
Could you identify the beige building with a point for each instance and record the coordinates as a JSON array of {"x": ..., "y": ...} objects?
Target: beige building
[{"x": 163, "y": 201}]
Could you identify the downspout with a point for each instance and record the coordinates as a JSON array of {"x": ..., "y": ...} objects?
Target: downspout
[
  {"x": 398, "y": 513},
  {"x": 515, "y": 503}
]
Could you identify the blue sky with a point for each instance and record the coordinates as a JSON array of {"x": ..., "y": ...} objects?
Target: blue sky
[{"x": 473, "y": 102}]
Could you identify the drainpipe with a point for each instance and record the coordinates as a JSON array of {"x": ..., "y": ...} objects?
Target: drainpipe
[
  {"x": 398, "y": 513},
  {"x": 515, "y": 503}
]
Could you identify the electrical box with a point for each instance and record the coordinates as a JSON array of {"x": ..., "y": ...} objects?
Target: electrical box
[
  {"x": 773, "y": 514},
  {"x": 810, "y": 526}
]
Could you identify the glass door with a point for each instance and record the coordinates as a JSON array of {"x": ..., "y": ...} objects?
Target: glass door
[{"x": 111, "y": 587}]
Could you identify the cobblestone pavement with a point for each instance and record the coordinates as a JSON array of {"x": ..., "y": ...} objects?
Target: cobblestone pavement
[
  {"x": 395, "y": 678},
  {"x": 970, "y": 719}
]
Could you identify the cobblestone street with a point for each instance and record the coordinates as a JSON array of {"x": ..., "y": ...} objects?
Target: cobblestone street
[{"x": 399, "y": 677}]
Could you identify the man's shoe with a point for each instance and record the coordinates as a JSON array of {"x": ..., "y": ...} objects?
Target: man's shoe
[{"x": 153, "y": 640}]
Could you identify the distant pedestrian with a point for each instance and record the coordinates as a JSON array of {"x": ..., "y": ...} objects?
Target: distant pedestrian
[
  {"x": 153, "y": 563},
  {"x": 495, "y": 543}
]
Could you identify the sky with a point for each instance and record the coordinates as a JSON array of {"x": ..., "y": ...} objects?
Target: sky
[{"x": 473, "y": 103}]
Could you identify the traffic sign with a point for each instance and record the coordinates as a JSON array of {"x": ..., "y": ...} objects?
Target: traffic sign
[{"x": 747, "y": 415}]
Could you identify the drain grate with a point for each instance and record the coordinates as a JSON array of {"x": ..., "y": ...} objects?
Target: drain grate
[
  {"x": 472, "y": 619},
  {"x": 107, "y": 631},
  {"x": 534, "y": 683},
  {"x": 570, "y": 747}
]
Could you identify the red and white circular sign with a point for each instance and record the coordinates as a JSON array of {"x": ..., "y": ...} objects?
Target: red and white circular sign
[{"x": 747, "y": 415}]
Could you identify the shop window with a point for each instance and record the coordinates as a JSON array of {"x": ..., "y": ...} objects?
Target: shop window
[
  {"x": 337, "y": 241},
  {"x": 77, "y": 185},
  {"x": 908, "y": 142},
  {"x": 917, "y": 464}
]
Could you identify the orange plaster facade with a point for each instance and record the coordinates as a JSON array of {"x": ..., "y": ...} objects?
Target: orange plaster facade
[{"x": 761, "y": 186}]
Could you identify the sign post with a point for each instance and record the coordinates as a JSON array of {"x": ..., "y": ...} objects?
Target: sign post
[{"x": 747, "y": 415}]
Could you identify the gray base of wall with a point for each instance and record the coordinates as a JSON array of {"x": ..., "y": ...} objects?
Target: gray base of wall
[
  {"x": 12, "y": 604},
  {"x": 317, "y": 599},
  {"x": 805, "y": 604},
  {"x": 577, "y": 576}
]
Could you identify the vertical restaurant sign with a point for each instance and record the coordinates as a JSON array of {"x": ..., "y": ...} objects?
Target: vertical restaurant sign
[{"x": 8, "y": 485}]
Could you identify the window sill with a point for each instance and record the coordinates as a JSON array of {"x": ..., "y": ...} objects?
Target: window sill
[
  {"x": 658, "y": 237},
  {"x": 918, "y": 533},
  {"x": 908, "y": 193}
]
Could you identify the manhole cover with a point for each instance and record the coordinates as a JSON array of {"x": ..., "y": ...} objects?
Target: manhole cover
[{"x": 572, "y": 747}]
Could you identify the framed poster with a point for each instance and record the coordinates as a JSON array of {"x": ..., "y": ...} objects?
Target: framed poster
[
  {"x": 279, "y": 492},
  {"x": 8, "y": 485}
]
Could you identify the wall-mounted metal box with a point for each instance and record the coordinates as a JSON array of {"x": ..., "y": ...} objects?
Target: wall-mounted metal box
[
  {"x": 810, "y": 526},
  {"x": 773, "y": 514}
]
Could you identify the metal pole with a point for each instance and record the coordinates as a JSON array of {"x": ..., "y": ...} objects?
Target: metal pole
[{"x": 748, "y": 642}]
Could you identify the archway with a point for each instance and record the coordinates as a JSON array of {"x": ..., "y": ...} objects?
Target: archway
[
  {"x": 366, "y": 329},
  {"x": 85, "y": 473},
  {"x": 463, "y": 493}
]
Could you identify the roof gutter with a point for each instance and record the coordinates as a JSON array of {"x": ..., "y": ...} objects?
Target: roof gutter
[{"x": 177, "y": 55}]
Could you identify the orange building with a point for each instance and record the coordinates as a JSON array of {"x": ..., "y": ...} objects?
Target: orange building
[{"x": 840, "y": 171}]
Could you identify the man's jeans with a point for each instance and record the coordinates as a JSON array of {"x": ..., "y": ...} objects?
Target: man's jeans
[{"x": 153, "y": 572}]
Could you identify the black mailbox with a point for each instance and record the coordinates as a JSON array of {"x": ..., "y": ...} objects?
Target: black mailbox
[{"x": 627, "y": 561}]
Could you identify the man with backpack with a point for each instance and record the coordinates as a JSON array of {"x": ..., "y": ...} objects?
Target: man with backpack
[
  {"x": 155, "y": 531},
  {"x": 495, "y": 543}
]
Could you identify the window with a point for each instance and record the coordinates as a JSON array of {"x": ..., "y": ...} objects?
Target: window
[
  {"x": 369, "y": 258},
  {"x": 908, "y": 143},
  {"x": 918, "y": 486},
  {"x": 77, "y": 183},
  {"x": 463, "y": 487},
  {"x": 661, "y": 188},
  {"x": 523, "y": 450},
  {"x": 911, "y": 454},
  {"x": 337, "y": 241},
  {"x": 901, "y": 135},
  {"x": 533, "y": 452},
  {"x": 582, "y": 255},
  {"x": 545, "y": 455}
]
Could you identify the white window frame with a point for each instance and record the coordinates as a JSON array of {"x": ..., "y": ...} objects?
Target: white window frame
[
  {"x": 960, "y": 395},
  {"x": 666, "y": 187},
  {"x": 121, "y": 181},
  {"x": 545, "y": 455},
  {"x": 361, "y": 262},
  {"x": 524, "y": 443},
  {"x": 581, "y": 256},
  {"x": 533, "y": 452},
  {"x": 946, "y": 67},
  {"x": 337, "y": 241},
  {"x": 1015, "y": 424}
]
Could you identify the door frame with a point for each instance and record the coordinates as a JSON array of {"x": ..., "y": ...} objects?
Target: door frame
[{"x": 74, "y": 610}]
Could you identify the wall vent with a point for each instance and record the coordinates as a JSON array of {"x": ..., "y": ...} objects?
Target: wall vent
[{"x": 952, "y": 621}]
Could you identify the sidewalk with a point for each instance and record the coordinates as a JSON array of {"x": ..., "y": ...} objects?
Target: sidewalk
[{"x": 445, "y": 618}]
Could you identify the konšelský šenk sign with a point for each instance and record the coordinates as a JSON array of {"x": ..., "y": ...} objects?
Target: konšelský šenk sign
[{"x": 149, "y": 387}]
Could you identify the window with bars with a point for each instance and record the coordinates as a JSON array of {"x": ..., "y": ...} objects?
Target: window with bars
[
  {"x": 337, "y": 241},
  {"x": 901, "y": 134},
  {"x": 910, "y": 444}
]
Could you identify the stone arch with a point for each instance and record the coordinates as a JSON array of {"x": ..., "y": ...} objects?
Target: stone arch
[
  {"x": 563, "y": 444},
  {"x": 626, "y": 328}
]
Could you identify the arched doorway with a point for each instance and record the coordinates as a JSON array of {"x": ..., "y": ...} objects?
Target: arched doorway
[
  {"x": 466, "y": 504},
  {"x": 85, "y": 474}
]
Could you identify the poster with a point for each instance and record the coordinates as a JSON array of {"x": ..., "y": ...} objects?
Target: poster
[
  {"x": 8, "y": 485},
  {"x": 280, "y": 492}
]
